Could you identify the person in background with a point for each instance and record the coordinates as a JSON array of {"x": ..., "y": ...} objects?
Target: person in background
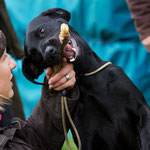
[
  {"x": 43, "y": 129},
  {"x": 140, "y": 11}
]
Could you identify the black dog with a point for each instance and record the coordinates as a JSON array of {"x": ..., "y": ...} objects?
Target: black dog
[{"x": 111, "y": 113}]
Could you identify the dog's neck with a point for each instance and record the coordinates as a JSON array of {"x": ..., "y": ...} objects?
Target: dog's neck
[{"x": 89, "y": 63}]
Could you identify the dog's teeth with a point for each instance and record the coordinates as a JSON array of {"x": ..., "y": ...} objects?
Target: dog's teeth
[
  {"x": 74, "y": 49},
  {"x": 73, "y": 59},
  {"x": 70, "y": 57}
]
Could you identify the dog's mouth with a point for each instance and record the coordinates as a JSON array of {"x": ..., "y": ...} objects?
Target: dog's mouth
[{"x": 71, "y": 50}]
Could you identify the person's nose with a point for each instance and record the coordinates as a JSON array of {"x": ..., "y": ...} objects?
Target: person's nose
[{"x": 12, "y": 63}]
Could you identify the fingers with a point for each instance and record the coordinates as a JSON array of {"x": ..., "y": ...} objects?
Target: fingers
[
  {"x": 146, "y": 43},
  {"x": 63, "y": 82},
  {"x": 60, "y": 75},
  {"x": 68, "y": 84},
  {"x": 58, "y": 81},
  {"x": 48, "y": 72}
]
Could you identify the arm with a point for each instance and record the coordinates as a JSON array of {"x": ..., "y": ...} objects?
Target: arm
[
  {"x": 140, "y": 11},
  {"x": 45, "y": 121}
]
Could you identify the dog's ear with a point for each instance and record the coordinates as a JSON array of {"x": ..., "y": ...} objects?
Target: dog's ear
[
  {"x": 57, "y": 13},
  {"x": 30, "y": 70}
]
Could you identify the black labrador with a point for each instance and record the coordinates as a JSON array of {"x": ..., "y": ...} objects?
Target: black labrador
[{"x": 111, "y": 113}]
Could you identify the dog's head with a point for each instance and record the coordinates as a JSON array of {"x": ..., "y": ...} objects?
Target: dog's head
[{"x": 42, "y": 45}]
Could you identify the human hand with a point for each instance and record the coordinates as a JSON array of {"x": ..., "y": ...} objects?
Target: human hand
[
  {"x": 58, "y": 81},
  {"x": 146, "y": 43}
]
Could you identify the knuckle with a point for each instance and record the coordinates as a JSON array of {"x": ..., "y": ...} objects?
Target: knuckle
[
  {"x": 62, "y": 81},
  {"x": 73, "y": 79},
  {"x": 71, "y": 83},
  {"x": 73, "y": 73},
  {"x": 61, "y": 73}
]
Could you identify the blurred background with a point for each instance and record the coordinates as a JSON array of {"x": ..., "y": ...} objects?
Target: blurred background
[{"x": 107, "y": 27}]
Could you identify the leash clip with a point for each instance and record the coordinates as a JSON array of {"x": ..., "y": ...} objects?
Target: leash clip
[{"x": 64, "y": 92}]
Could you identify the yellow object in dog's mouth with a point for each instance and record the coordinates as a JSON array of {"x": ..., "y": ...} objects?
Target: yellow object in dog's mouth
[
  {"x": 70, "y": 49},
  {"x": 64, "y": 35}
]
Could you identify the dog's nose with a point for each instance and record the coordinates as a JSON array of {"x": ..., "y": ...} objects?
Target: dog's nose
[{"x": 50, "y": 50}]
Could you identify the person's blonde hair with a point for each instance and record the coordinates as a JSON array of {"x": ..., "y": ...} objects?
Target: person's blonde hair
[{"x": 4, "y": 101}]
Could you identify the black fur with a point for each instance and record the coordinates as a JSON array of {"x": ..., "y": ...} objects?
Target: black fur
[
  {"x": 111, "y": 113},
  {"x": 45, "y": 48}
]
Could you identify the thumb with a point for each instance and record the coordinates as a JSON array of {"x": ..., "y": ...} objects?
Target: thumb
[
  {"x": 64, "y": 61},
  {"x": 48, "y": 72}
]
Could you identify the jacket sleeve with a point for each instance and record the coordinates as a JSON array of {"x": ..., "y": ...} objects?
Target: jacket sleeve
[
  {"x": 44, "y": 127},
  {"x": 140, "y": 12}
]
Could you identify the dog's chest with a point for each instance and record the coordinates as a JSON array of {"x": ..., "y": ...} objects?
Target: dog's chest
[
  {"x": 92, "y": 85},
  {"x": 92, "y": 95}
]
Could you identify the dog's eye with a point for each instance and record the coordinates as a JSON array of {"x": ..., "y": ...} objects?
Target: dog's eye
[
  {"x": 41, "y": 32},
  {"x": 70, "y": 42}
]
